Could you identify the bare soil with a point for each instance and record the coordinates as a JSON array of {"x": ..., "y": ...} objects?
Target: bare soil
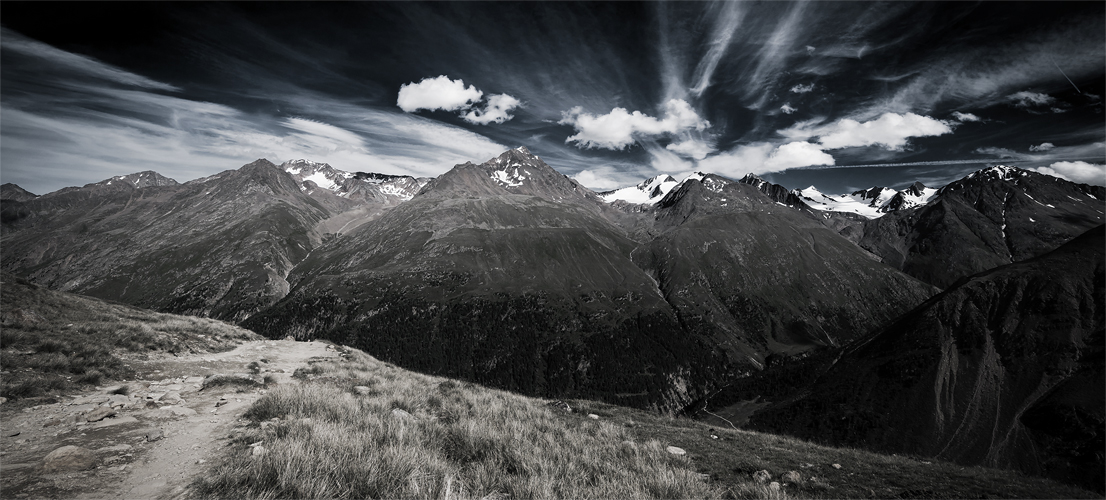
[{"x": 129, "y": 465}]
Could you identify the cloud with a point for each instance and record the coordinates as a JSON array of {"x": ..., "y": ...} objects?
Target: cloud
[
  {"x": 763, "y": 157},
  {"x": 999, "y": 152},
  {"x": 85, "y": 67},
  {"x": 691, "y": 148},
  {"x": 890, "y": 131},
  {"x": 437, "y": 93},
  {"x": 802, "y": 89},
  {"x": 1027, "y": 99},
  {"x": 606, "y": 178},
  {"x": 498, "y": 110},
  {"x": 620, "y": 128},
  {"x": 797, "y": 154},
  {"x": 1044, "y": 146},
  {"x": 787, "y": 109},
  {"x": 966, "y": 117},
  {"x": 722, "y": 31},
  {"x": 1077, "y": 171}
]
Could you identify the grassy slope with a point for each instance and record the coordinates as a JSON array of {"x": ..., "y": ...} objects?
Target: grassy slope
[
  {"x": 323, "y": 439},
  {"x": 53, "y": 342}
]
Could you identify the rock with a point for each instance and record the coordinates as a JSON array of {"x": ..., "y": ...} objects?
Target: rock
[
  {"x": 118, "y": 447},
  {"x": 193, "y": 380},
  {"x": 99, "y": 414},
  {"x": 836, "y": 466},
  {"x": 791, "y": 477},
  {"x": 676, "y": 451},
  {"x": 593, "y": 416},
  {"x": 221, "y": 402},
  {"x": 560, "y": 405},
  {"x": 11, "y": 434},
  {"x": 153, "y": 435},
  {"x": 762, "y": 476},
  {"x": 401, "y": 414},
  {"x": 258, "y": 451},
  {"x": 174, "y": 387},
  {"x": 361, "y": 389},
  {"x": 774, "y": 486},
  {"x": 3, "y": 400},
  {"x": 182, "y": 411},
  {"x": 171, "y": 397},
  {"x": 114, "y": 389},
  {"x": 119, "y": 400},
  {"x": 155, "y": 396},
  {"x": 100, "y": 399},
  {"x": 113, "y": 421},
  {"x": 69, "y": 458},
  {"x": 290, "y": 338}
]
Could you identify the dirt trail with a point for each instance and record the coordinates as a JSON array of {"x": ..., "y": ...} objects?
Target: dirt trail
[{"x": 129, "y": 465}]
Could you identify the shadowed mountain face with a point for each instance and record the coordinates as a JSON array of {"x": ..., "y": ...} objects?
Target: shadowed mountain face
[
  {"x": 218, "y": 246},
  {"x": 992, "y": 217},
  {"x": 1004, "y": 369},
  {"x": 511, "y": 274}
]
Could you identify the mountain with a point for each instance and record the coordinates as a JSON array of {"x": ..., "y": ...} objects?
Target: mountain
[
  {"x": 650, "y": 191},
  {"x": 512, "y": 274},
  {"x": 776, "y": 192},
  {"x": 13, "y": 192},
  {"x": 353, "y": 198},
  {"x": 991, "y": 217},
  {"x": 1004, "y": 369},
  {"x": 761, "y": 277},
  {"x": 870, "y": 203},
  {"x": 219, "y": 246},
  {"x": 503, "y": 273}
]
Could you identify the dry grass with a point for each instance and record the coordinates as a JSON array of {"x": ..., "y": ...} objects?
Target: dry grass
[
  {"x": 458, "y": 441},
  {"x": 52, "y": 342},
  {"x": 322, "y": 438}
]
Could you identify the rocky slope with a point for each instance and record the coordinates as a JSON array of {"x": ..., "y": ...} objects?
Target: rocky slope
[
  {"x": 512, "y": 274},
  {"x": 990, "y": 218},
  {"x": 1004, "y": 369},
  {"x": 218, "y": 246}
]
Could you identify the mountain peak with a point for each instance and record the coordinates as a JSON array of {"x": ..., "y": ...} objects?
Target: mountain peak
[
  {"x": 11, "y": 191},
  {"x": 140, "y": 180},
  {"x": 649, "y": 191}
]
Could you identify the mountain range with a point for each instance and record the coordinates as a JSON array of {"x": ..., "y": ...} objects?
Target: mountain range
[{"x": 662, "y": 295}]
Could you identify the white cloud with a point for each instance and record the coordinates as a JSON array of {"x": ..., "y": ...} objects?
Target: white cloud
[
  {"x": 1059, "y": 110},
  {"x": 797, "y": 154},
  {"x": 966, "y": 117},
  {"x": 498, "y": 110},
  {"x": 620, "y": 128},
  {"x": 437, "y": 93},
  {"x": 1044, "y": 146},
  {"x": 802, "y": 89},
  {"x": 762, "y": 158},
  {"x": 1027, "y": 99},
  {"x": 787, "y": 109},
  {"x": 691, "y": 148},
  {"x": 1077, "y": 171},
  {"x": 810, "y": 50},
  {"x": 890, "y": 130},
  {"x": 605, "y": 178}
]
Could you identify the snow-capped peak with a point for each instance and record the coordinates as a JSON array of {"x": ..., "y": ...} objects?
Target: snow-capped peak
[
  {"x": 1000, "y": 172},
  {"x": 870, "y": 203},
  {"x": 650, "y": 191}
]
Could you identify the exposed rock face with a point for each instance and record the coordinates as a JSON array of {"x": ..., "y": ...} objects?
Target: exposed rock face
[
  {"x": 1005, "y": 369},
  {"x": 990, "y": 218},
  {"x": 9, "y": 191}
]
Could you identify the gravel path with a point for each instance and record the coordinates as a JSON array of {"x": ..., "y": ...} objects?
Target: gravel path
[{"x": 131, "y": 461}]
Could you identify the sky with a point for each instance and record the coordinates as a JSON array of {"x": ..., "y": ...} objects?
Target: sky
[{"x": 840, "y": 95}]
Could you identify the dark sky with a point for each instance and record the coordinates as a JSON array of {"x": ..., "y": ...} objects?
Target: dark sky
[{"x": 610, "y": 93}]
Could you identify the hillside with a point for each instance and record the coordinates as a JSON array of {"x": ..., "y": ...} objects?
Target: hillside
[
  {"x": 323, "y": 438},
  {"x": 1003, "y": 369},
  {"x": 510, "y": 274},
  {"x": 989, "y": 218},
  {"x": 54, "y": 342}
]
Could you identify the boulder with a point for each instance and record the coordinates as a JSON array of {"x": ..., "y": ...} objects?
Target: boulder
[
  {"x": 791, "y": 477},
  {"x": 99, "y": 414},
  {"x": 762, "y": 476},
  {"x": 676, "y": 450},
  {"x": 593, "y": 416},
  {"x": 171, "y": 397},
  {"x": 69, "y": 458}
]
